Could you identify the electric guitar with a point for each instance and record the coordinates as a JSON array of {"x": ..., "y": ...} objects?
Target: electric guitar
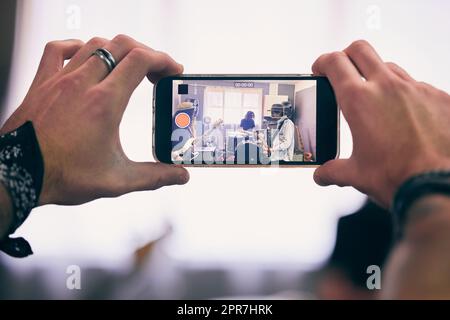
[{"x": 178, "y": 155}]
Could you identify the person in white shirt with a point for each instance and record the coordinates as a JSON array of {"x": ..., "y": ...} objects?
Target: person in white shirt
[{"x": 283, "y": 142}]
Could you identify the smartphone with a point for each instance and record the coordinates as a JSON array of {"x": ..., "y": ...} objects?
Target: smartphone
[{"x": 245, "y": 120}]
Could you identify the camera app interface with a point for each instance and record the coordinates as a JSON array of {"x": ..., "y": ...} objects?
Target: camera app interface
[{"x": 243, "y": 121}]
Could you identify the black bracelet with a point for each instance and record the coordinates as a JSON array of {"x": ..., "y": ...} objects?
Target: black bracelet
[
  {"x": 21, "y": 173},
  {"x": 433, "y": 182}
]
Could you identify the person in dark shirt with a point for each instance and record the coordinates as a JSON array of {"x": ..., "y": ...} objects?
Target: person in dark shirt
[{"x": 248, "y": 123}]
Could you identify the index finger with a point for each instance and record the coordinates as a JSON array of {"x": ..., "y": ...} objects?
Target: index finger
[
  {"x": 137, "y": 64},
  {"x": 55, "y": 53}
]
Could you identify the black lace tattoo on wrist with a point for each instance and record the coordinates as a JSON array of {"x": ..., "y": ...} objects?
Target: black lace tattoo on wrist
[{"x": 21, "y": 173}]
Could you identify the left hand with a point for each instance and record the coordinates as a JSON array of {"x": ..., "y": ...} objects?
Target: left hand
[{"x": 76, "y": 111}]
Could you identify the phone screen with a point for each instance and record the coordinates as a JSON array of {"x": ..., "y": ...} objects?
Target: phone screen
[{"x": 233, "y": 121}]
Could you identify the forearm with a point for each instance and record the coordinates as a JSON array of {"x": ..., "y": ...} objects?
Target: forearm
[
  {"x": 5, "y": 212},
  {"x": 419, "y": 266}
]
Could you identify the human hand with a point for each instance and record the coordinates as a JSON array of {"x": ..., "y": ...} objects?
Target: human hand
[
  {"x": 76, "y": 111},
  {"x": 400, "y": 127}
]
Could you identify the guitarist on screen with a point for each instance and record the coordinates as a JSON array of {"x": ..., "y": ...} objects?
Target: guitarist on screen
[{"x": 185, "y": 139}]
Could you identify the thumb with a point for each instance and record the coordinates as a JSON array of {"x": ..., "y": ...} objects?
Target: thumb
[
  {"x": 154, "y": 175},
  {"x": 334, "y": 172}
]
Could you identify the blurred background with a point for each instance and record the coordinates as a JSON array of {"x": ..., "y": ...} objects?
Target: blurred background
[{"x": 232, "y": 232}]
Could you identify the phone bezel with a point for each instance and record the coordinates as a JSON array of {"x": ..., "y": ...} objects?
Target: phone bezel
[{"x": 327, "y": 145}]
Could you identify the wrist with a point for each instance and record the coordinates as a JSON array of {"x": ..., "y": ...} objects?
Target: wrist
[
  {"x": 48, "y": 194},
  {"x": 412, "y": 199},
  {"x": 412, "y": 168},
  {"x": 21, "y": 176},
  {"x": 428, "y": 216}
]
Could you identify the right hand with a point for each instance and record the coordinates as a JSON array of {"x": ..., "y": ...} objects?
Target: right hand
[{"x": 400, "y": 127}]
